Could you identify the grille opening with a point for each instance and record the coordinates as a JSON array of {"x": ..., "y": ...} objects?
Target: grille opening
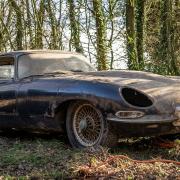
[{"x": 136, "y": 98}]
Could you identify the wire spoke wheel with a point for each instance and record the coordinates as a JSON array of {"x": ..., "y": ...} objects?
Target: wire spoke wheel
[{"x": 87, "y": 125}]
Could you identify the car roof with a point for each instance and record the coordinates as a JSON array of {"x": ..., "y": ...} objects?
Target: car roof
[{"x": 21, "y": 52}]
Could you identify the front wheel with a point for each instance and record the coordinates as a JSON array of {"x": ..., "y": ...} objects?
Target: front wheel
[{"x": 85, "y": 125}]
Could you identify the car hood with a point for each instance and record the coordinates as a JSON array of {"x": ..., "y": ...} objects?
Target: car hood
[
  {"x": 164, "y": 90},
  {"x": 137, "y": 79}
]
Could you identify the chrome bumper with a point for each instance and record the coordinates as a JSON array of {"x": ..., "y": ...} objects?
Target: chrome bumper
[{"x": 147, "y": 119}]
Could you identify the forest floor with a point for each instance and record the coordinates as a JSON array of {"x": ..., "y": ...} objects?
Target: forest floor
[{"x": 29, "y": 156}]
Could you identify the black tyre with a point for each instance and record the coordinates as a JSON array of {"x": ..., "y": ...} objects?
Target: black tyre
[{"x": 85, "y": 125}]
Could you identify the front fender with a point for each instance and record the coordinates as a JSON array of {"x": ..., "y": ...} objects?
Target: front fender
[{"x": 102, "y": 95}]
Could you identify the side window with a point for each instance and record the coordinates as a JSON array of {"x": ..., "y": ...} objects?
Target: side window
[
  {"x": 6, "y": 67},
  {"x": 24, "y": 67}
]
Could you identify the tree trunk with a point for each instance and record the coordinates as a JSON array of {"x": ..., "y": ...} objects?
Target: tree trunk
[
  {"x": 176, "y": 23},
  {"x": 19, "y": 27},
  {"x": 74, "y": 24},
  {"x": 166, "y": 49},
  {"x": 130, "y": 34},
  {"x": 31, "y": 40},
  {"x": 100, "y": 35},
  {"x": 140, "y": 32},
  {"x": 53, "y": 24},
  {"x": 112, "y": 4},
  {"x": 39, "y": 21}
]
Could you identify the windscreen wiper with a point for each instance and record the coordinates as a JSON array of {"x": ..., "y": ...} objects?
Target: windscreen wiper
[
  {"x": 45, "y": 74},
  {"x": 31, "y": 76},
  {"x": 76, "y": 70},
  {"x": 56, "y": 72}
]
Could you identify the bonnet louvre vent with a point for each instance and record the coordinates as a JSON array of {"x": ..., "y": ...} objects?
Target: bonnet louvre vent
[{"x": 136, "y": 98}]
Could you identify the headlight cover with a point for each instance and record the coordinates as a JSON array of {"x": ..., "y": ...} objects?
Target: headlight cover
[{"x": 136, "y": 98}]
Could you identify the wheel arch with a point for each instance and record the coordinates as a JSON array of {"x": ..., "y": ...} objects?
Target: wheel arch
[{"x": 60, "y": 111}]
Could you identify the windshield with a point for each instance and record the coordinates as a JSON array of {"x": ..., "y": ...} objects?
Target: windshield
[{"x": 44, "y": 63}]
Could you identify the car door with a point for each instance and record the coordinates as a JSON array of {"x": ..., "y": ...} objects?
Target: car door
[
  {"x": 32, "y": 103},
  {"x": 31, "y": 93},
  {"x": 8, "y": 88}
]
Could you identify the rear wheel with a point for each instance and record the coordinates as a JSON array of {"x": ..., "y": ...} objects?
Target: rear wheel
[{"x": 85, "y": 125}]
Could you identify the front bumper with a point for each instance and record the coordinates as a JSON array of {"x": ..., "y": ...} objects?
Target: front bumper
[
  {"x": 149, "y": 125},
  {"x": 147, "y": 119}
]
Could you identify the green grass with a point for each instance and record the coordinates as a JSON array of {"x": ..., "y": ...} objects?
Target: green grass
[{"x": 24, "y": 157}]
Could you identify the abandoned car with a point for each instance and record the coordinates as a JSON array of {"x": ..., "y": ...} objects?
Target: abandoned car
[{"x": 54, "y": 91}]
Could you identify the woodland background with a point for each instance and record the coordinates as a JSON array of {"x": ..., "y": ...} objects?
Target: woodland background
[{"x": 113, "y": 34}]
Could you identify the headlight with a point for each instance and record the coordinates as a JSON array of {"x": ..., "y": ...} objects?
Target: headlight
[
  {"x": 136, "y": 98},
  {"x": 129, "y": 114}
]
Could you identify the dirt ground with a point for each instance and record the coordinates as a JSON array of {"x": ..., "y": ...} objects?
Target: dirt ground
[{"x": 33, "y": 156}]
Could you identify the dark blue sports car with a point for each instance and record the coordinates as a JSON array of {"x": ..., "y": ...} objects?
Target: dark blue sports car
[{"x": 61, "y": 92}]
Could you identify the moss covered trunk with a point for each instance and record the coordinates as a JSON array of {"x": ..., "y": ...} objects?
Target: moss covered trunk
[
  {"x": 140, "y": 5},
  {"x": 130, "y": 34},
  {"x": 100, "y": 35}
]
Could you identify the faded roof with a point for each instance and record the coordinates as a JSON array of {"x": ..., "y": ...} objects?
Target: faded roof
[{"x": 36, "y": 51}]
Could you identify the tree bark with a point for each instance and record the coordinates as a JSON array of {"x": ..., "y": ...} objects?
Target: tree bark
[
  {"x": 74, "y": 24},
  {"x": 100, "y": 35},
  {"x": 39, "y": 21},
  {"x": 19, "y": 27},
  {"x": 130, "y": 34},
  {"x": 166, "y": 49},
  {"x": 53, "y": 25},
  {"x": 29, "y": 23},
  {"x": 140, "y": 32}
]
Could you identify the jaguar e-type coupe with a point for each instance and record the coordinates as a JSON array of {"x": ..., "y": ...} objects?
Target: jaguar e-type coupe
[{"x": 54, "y": 91}]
